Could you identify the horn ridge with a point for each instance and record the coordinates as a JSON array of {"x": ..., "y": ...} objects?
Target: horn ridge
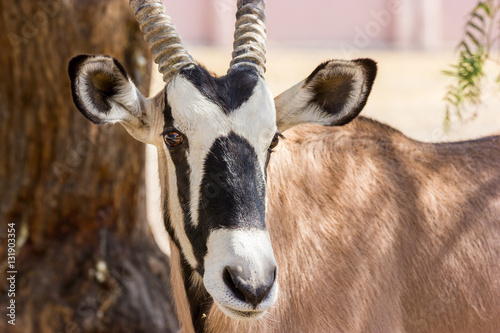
[
  {"x": 249, "y": 47},
  {"x": 162, "y": 37}
]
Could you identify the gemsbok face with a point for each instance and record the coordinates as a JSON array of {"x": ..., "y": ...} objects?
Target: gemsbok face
[{"x": 214, "y": 137}]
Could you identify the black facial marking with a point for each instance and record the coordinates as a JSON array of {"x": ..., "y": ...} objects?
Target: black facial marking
[
  {"x": 199, "y": 300},
  {"x": 228, "y": 92},
  {"x": 181, "y": 165},
  {"x": 167, "y": 113},
  {"x": 233, "y": 187}
]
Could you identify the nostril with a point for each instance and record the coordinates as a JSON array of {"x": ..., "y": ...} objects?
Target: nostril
[
  {"x": 229, "y": 281},
  {"x": 245, "y": 291}
]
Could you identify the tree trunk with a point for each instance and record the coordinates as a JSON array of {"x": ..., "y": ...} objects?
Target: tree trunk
[{"x": 85, "y": 258}]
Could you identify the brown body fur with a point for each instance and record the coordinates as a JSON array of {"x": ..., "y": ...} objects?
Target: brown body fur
[{"x": 375, "y": 232}]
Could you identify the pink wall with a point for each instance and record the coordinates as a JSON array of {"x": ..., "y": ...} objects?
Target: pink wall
[
  {"x": 313, "y": 20},
  {"x": 455, "y": 15},
  {"x": 356, "y": 23},
  {"x": 193, "y": 18}
]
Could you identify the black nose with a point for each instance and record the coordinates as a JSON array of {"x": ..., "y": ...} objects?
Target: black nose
[{"x": 244, "y": 290}]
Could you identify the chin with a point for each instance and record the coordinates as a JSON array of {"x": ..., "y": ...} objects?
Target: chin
[{"x": 247, "y": 315}]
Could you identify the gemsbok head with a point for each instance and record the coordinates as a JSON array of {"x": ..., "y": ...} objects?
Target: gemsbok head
[{"x": 215, "y": 137}]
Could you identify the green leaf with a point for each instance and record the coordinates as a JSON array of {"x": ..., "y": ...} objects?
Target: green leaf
[
  {"x": 466, "y": 47},
  {"x": 485, "y": 7},
  {"x": 449, "y": 73},
  {"x": 473, "y": 52},
  {"x": 479, "y": 17},
  {"x": 473, "y": 25},
  {"x": 473, "y": 38}
]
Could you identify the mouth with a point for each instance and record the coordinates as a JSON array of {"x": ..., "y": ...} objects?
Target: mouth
[{"x": 241, "y": 315}]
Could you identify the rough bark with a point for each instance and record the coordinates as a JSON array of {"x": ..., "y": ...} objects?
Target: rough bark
[{"x": 85, "y": 258}]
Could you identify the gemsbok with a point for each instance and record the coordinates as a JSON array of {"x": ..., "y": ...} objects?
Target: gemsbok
[{"x": 361, "y": 228}]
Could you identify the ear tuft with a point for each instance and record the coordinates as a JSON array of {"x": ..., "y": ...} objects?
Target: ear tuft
[{"x": 334, "y": 94}]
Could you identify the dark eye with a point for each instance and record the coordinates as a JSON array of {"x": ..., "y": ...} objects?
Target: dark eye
[
  {"x": 173, "y": 139},
  {"x": 275, "y": 141}
]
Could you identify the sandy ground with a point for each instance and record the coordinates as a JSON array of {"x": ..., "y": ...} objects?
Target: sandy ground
[{"x": 408, "y": 95}]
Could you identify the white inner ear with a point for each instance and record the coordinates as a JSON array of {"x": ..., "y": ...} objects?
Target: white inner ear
[{"x": 125, "y": 104}]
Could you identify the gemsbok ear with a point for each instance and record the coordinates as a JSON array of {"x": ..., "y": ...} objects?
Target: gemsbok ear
[
  {"x": 334, "y": 94},
  {"x": 104, "y": 93}
]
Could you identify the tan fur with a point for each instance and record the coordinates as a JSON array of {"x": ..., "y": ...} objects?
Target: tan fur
[
  {"x": 181, "y": 302},
  {"x": 374, "y": 232}
]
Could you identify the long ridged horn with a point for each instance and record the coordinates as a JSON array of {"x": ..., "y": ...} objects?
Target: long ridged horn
[
  {"x": 162, "y": 37},
  {"x": 249, "y": 47}
]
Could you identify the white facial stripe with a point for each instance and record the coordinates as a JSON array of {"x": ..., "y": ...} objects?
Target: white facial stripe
[
  {"x": 175, "y": 212},
  {"x": 203, "y": 122},
  {"x": 248, "y": 249},
  {"x": 259, "y": 121}
]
